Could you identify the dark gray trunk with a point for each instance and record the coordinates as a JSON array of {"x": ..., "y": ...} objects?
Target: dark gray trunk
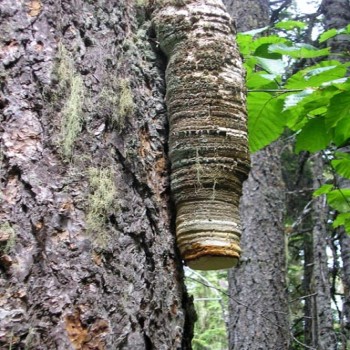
[
  {"x": 337, "y": 15},
  {"x": 88, "y": 252},
  {"x": 250, "y": 14},
  {"x": 308, "y": 309},
  {"x": 257, "y": 287},
  {"x": 259, "y": 305},
  {"x": 344, "y": 240},
  {"x": 323, "y": 336}
]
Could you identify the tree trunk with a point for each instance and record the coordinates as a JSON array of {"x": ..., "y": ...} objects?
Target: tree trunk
[
  {"x": 308, "y": 316},
  {"x": 88, "y": 251},
  {"x": 337, "y": 15},
  {"x": 249, "y": 15},
  {"x": 258, "y": 300},
  {"x": 344, "y": 240},
  {"x": 323, "y": 337},
  {"x": 258, "y": 305}
]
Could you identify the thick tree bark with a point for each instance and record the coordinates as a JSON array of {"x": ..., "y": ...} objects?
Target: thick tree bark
[
  {"x": 258, "y": 300},
  {"x": 322, "y": 334},
  {"x": 88, "y": 251},
  {"x": 337, "y": 15},
  {"x": 259, "y": 320},
  {"x": 308, "y": 321},
  {"x": 344, "y": 240},
  {"x": 253, "y": 14}
]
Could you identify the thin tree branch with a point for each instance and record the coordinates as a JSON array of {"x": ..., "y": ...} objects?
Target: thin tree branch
[
  {"x": 249, "y": 308},
  {"x": 275, "y": 13}
]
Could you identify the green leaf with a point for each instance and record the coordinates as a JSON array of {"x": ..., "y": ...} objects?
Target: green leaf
[
  {"x": 339, "y": 108},
  {"x": 288, "y": 25},
  {"x": 265, "y": 119},
  {"x": 295, "y": 118},
  {"x": 316, "y": 75},
  {"x": 263, "y": 51},
  {"x": 338, "y": 117},
  {"x": 333, "y": 32},
  {"x": 342, "y": 164},
  {"x": 313, "y": 136},
  {"x": 341, "y": 83},
  {"x": 260, "y": 46},
  {"x": 339, "y": 200},
  {"x": 245, "y": 42},
  {"x": 327, "y": 35},
  {"x": 299, "y": 50},
  {"x": 324, "y": 189},
  {"x": 342, "y": 219},
  {"x": 261, "y": 80},
  {"x": 318, "y": 99},
  {"x": 271, "y": 66},
  {"x": 255, "y": 31},
  {"x": 341, "y": 133},
  {"x": 293, "y": 99},
  {"x": 271, "y": 39},
  {"x": 250, "y": 63},
  {"x": 306, "y": 105}
]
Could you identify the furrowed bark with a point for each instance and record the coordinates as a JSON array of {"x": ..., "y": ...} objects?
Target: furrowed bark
[
  {"x": 323, "y": 335},
  {"x": 87, "y": 251},
  {"x": 258, "y": 299},
  {"x": 208, "y": 138},
  {"x": 337, "y": 15}
]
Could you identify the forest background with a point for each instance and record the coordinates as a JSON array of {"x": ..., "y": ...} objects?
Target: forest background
[
  {"x": 293, "y": 88},
  {"x": 88, "y": 257}
]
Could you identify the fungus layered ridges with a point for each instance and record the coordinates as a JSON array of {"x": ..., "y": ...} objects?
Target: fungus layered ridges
[{"x": 208, "y": 136}]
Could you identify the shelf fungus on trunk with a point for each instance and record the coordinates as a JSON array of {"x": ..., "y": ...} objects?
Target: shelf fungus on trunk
[{"x": 208, "y": 145}]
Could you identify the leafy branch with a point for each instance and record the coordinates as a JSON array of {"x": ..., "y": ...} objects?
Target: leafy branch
[{"x": 313, "y": 103}]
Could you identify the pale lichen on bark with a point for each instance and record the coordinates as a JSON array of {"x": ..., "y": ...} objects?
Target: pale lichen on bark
[{"x": 208, "y": 137}]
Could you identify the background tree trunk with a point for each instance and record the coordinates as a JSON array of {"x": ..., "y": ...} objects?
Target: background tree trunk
[
  {"x": 88, "y": 257},
  {"x": 323, "y": 336},
  {"x": 260, "y": 319},
  {"x": 337, "y": 15},
  {"x": 258, "y": 300},
  {"x": 250, "y": 15}
]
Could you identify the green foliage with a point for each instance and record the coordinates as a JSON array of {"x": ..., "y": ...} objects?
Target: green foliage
[
  {"x": 315, "y": 125},
  {"x": 126, "y": 102},
  {"x": 72, "y": 87},
  {"x": 314, "y": 102},
  {"x": 339, "y": 199},
  {"x": 332, "y": 33},
  {"x": 141, "y": 2},
  {"x": 211, "y": 303},
  {"x": 337, "y": 117},
  {"x": 102, "y": 201},
  {"x": 288, "y": 25},
  {"x": 7, "y": 237},
  {"x": 341, "y": 164},
  {"x": 265, "y": 119},
  {"x": 324, "y": 189},
  {"x": 116, "y": 100},
  {"x": 343, "y": 219},
  {"x": 298, "y": 50}
]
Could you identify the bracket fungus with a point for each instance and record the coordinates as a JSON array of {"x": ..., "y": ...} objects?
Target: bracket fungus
[{"x": 208, "y": 148}]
